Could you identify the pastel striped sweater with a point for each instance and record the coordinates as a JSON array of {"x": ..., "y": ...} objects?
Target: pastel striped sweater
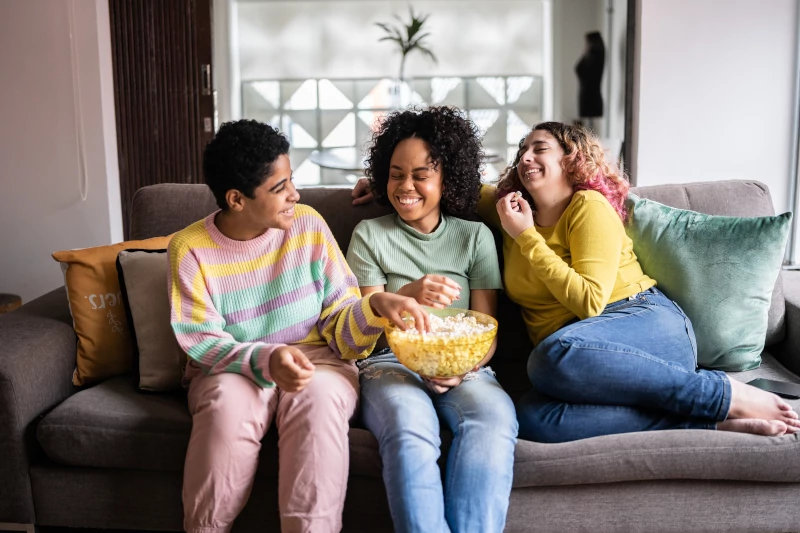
[{"x": 234, "y": 302}]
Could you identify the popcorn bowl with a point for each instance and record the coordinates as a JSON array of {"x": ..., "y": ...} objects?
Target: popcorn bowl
[{"x": 448, "y": 353}]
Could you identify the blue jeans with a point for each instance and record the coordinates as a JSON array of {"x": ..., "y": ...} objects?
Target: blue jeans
[
  {"x": 631, "y": 368},
  {"x": 404, "y": 416}
]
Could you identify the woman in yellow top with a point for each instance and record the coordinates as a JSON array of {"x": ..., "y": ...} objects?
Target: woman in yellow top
[{"x": 612, "y": 353}]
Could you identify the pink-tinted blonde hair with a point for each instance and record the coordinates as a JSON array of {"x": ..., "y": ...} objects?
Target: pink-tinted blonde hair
[{"x": 583, "y": 162}]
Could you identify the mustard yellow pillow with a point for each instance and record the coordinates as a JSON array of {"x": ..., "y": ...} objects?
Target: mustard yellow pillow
[{"x": 105, "y": 348}]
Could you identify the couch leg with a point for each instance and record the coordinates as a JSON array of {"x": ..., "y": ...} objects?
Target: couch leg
[{"x": 27, "y": 528}]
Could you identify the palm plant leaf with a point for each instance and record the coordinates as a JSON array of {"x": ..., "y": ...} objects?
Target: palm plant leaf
[
  {"x": 408, "y": 35},
  {"x": 390, "y": 38},
  {"x": 428, "y": 53},
  {"x": 384, "y": 26},
  {"x": 417, "y": 41}
]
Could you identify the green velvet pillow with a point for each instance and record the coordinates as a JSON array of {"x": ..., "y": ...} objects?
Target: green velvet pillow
[{"x": 720, "y": 270}]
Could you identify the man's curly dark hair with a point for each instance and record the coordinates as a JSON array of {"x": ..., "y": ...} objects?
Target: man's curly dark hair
[
  {"x": 240, "y": 157},
  {"x": 454, "y": 143}
]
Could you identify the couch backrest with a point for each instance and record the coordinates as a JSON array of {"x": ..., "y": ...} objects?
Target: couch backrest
[
  {"x": 164, "y": 209},
  {"x": 735, "y": 198}
]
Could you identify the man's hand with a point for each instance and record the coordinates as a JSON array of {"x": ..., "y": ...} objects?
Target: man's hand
[
  {"x": 432, "y": 290},
  {"x": 361, "y": 192},
  {"x": 392, "y": 306},
  {"x": 290, "y": 368},
  {"x": 514, "y": 221}
]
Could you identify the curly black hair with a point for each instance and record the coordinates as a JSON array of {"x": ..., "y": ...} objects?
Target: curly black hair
[
  {"x": 454, "y": 143},
  {"x": 240, "y": 157}
]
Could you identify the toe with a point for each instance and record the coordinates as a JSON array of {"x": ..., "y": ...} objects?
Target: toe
[
  {"x": 792, "y": 422},
  {"x": 778, "y": 428}
]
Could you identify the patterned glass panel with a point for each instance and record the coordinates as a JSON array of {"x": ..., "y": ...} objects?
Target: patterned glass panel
[{"x": 331, "y": 114}]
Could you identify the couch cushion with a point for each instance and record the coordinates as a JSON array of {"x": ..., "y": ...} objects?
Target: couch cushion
[
  {"x": 736, "y": 198},
  {"x": 114, "y": 426},
  {"x": 674, "y": 454}
]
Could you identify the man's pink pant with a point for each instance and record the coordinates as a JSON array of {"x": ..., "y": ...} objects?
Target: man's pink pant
[{"x": 231, "y": 414}]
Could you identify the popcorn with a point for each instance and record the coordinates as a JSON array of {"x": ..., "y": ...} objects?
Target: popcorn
[
  {"x": 456, "y": 343},
  {"x": 517, "y": 195},
  {"x": 449, "y": 326}
]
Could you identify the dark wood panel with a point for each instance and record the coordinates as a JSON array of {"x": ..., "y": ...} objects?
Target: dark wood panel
[{"x": 158, "y": 49}]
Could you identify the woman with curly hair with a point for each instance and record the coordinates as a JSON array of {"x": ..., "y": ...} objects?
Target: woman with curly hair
[
  {"x": 426, "y": 164},
  {"x": 612, "y": 353}
]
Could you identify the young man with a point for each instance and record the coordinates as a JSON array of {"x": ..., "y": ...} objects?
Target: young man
[{"x": 271, "y": 317}]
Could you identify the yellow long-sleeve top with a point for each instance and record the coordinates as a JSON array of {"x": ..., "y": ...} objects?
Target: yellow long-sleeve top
[{"x": 572, "y": 269}]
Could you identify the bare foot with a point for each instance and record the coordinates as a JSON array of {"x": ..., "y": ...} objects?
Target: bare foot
[
  {"x": 750, "y": 402},
  {"x": 755, "y": 426}
]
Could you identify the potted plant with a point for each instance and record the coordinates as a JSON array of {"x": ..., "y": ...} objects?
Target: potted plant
[{"x": 408, "y": 36}]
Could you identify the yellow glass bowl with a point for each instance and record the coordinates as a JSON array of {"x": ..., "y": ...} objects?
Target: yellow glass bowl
[{"x": 442, "y": 357}]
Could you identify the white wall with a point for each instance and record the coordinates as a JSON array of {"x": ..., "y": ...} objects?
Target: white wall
[
  {"x": 716, "y": 88},
  {"x": 49, "y": 145}
]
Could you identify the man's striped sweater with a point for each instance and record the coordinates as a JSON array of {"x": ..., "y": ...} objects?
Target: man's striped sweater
[{"x": 235, "y": 302}]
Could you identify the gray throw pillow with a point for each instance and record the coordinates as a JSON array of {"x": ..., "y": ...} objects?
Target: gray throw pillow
[{"x": 143, "y": 280}]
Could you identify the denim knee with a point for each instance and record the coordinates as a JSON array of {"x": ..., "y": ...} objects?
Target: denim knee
[
  {"x": 482, "y": 414},
  {"x": 542, "y": 363},
  {"x": 406, "y": 416}
]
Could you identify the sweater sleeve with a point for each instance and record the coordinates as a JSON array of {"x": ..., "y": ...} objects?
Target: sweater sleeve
[
  {"x": 595, "y": 237},
  {"x": 199, "y": 328},
  {"x": 347, "y": 322}
]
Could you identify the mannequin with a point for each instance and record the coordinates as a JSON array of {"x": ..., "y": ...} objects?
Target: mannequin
[{"x": 590, "y": 73}]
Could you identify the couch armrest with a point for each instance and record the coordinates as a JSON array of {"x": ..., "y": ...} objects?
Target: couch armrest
[
  {"x": 788, "y": 351},
  {"x": 37, "y": 358}
]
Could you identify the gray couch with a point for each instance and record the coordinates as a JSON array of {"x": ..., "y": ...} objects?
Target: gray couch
[{"x": 111, "y": 457}]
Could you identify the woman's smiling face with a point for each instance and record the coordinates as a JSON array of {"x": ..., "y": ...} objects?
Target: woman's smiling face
[
  {"x": 539, "y": 164},
  {"x": 415, "y": 185}
]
